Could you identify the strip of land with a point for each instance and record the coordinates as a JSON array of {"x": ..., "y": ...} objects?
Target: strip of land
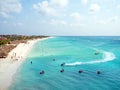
[{"x": 9, "y": 65}]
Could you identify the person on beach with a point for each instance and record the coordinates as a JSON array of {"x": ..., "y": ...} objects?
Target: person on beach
[
  {"x": 15, "y": 54},
  {"x": 11, "y": 57}
]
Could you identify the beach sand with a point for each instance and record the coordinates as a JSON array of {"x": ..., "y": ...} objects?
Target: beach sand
[{"x": 10, "y": 65}]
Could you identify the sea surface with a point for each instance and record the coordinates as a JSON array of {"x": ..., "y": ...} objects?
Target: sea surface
[{"x": 87, "y": 53}]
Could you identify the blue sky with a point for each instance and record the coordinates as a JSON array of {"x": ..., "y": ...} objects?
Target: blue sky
[{"x": 60, "y": 17}]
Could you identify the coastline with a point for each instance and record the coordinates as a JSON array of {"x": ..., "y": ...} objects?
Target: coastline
[{"x": 10, "y": 65}]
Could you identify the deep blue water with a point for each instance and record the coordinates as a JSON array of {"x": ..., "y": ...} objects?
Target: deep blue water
[{"x": 78, "y": 53}]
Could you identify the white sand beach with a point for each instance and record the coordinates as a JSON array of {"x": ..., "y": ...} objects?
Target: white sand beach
[{"x": 10, "y": 65}]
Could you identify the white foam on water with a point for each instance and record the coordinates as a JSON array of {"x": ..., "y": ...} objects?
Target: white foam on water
[{"x": 107, "y": 56}]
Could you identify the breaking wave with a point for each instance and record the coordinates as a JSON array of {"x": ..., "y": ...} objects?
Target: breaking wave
[{"x": 107, "y": 56}]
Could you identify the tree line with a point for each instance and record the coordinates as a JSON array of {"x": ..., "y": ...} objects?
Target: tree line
[{"x": 9, "y": 38}]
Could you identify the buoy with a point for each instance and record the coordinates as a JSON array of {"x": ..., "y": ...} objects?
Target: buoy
[
  {"x": 62, "y": 70},
  {"x": 63, "y": 64},
  {"x": 98, "y": 72},
  {"x": 53, "y": 59},
  {"x": 80, "y": 71},
  {"x": 42, "y": 72}
]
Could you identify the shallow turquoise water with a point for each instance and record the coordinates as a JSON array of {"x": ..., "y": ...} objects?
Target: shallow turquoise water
[{"x": 78, "y": 53}]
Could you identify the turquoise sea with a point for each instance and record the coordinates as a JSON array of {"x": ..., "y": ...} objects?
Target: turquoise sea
[{"x": 78, "y": 53}]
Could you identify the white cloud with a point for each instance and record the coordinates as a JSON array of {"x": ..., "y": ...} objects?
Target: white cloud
[
  {"x": 109, "y": 20},
  {"x": 76, "y": 25},
  {"x": 113, "y": 19},
  {"x": 9, "y": 6},
  {"x": 94, "y": 8},
  {"x": 118, "y": 7},
  {"x": 12, "y": 24},
  {"x": 84, "y": 2},
  {"x": 57, "y": 22},
  {"x": 59, "y": 3},
  {"x": 53, "y": 7},
  {"x": 18, "y": 24},
  {"x": 76, "y": 16},
  {"x": 4, "y": 14},
  {"x": 44, "y": 8},
  {"x": 64, "y": 23},
  {"x": 101, "y": 22}
]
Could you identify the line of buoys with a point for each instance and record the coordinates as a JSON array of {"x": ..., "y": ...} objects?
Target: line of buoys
[
  {"x": 80, "y": 71},
  {"x": 98, "y": 72},
  {"x": 62, "y": 70}
]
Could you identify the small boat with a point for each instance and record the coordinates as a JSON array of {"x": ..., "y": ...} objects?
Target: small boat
[
  {"x": 62, "y": 70},
  {"x": 63, "y": 64},
  {"x": 42, "y": 72},
  {"x": 80, "y": 71},
  {"x": 96, "y": 53}
]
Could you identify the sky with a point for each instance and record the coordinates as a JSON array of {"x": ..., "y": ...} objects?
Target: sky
[{"x": 60, "y": 17}]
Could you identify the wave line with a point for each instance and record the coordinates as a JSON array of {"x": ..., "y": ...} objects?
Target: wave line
[{"x": 108, "y": 56}]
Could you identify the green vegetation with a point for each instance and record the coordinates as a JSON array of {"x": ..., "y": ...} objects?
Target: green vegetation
[
  {"x": 6, "y": 39},
  {"x": 3, "y": 42}
]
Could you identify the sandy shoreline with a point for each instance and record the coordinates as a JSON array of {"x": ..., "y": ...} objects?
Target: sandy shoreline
[{"x": 10, "y": 65}]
